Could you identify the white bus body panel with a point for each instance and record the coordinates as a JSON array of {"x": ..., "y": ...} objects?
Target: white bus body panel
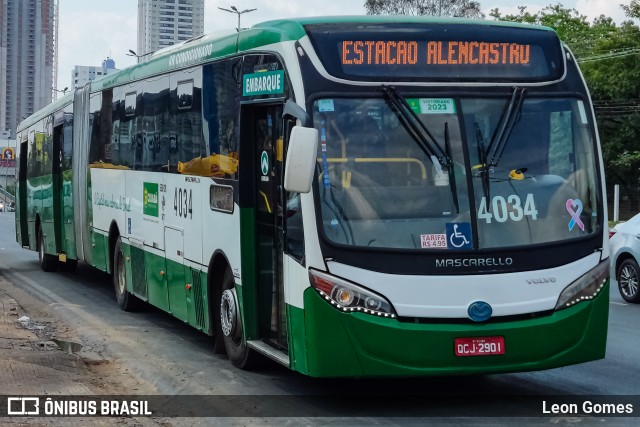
[
  {"x": 117, "y": 195},
  {"x": 450, "y": 296}
]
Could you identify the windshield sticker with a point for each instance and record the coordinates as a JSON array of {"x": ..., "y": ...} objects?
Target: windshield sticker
[
  {"x": 414, "y": 103},
  {"x": 433, "y": 241},
  {"x": 432, "y": 105},
  {"x": 325, "y": 105},
  {"x": 574, "y": 207},
  {"x": 437, "y": 106},
  {"x": 459, "y": 235}
]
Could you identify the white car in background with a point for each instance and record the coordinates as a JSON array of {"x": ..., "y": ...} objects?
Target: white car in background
[
  {"x": 1, "y": 206},
  {"x": 624, "y": 241}
]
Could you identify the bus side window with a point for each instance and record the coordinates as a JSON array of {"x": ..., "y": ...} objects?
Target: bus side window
[{"x": 155, "y": 125}]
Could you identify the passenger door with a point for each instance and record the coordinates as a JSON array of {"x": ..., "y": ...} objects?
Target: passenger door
[{"x": 267, "y": 134}]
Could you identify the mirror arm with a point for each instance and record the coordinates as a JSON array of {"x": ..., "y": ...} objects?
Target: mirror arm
[{"x": 293, "y": 110}]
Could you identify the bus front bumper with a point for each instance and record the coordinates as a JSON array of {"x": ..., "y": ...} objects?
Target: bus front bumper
[{"x": 337, "y": 344}]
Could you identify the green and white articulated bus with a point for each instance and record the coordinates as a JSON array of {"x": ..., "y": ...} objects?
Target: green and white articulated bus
[{"x": 349, "y": 196}]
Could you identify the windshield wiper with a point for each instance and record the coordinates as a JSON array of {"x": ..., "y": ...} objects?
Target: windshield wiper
[
  {"x": 507, "y": 122},
  {"x": 416, "y": 127},
  {"x": 452, "y": 175},
  {"x": 420, "y": 133},
  {"x": 482, "y": 158}
]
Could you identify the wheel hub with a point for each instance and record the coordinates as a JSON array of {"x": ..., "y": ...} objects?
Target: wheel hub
[
  {"x": 629, "y": 281},
  {"x": 121, "y": 274},
  {"x": 229, "y": 312}
]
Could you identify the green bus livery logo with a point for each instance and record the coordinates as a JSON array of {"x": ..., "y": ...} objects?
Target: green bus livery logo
[
  {"x": 150, "y": 199},
  {"x": 263, "y": 83}
]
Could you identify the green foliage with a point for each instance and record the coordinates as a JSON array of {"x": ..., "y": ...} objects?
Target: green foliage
[
  {"x": 632, "y": 10},
  {"x": 609, "y": 57},
  {"x": 458, "y": 8}
]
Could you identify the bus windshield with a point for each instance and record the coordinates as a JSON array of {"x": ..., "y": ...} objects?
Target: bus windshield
[{"x": 518, "y": 173}]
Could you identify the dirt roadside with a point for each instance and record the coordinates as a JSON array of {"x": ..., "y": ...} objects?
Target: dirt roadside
[{"x": 41, "y": 355}]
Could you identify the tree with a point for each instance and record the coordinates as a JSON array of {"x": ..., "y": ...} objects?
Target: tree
[
  {"x": 632, "y": 10},
  {"x": 457, "y": 8},
  {"x": 609, "y": 59}
]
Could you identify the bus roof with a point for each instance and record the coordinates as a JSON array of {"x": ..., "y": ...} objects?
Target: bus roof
[
  {"x": 226, "y": 43},
  {"x": 45, "y": 111}
]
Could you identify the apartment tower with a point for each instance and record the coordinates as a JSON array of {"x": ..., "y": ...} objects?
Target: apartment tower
[
  {"x": 27, "y": 59},
  {"x": 162, "y": 23}
]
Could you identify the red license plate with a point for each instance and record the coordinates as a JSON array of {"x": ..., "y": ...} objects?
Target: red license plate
[{"x": 479, "y": 346}]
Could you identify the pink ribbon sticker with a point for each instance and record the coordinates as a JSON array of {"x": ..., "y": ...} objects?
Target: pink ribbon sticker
[{"x": 574, "y": 207}]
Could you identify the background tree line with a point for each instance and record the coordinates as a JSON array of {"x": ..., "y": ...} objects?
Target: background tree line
[{"x": 609, "y": 56}]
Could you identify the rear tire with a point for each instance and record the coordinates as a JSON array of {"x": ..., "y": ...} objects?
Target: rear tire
[
  {"x": 47, "y": 262},
  {"x": 126, "y": 301},
  {"x": 628, "y": 276},
  {"x": 230, "y": 320}
]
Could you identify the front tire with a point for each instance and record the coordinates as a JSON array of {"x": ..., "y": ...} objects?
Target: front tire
[
  {"x": 628, "y": 276},
  {"x": 126, "y": 301},
  {"x": 48, "y": 262},
  {"x": 231, "y": 325}
]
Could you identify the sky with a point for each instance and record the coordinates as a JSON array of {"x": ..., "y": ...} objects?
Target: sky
[{"x": 92, "y": 30}]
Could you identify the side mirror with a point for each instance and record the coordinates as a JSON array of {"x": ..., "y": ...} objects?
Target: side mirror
[{"x": 301, "y": 159}]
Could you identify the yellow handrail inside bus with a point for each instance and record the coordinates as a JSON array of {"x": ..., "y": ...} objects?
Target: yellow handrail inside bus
[
  {"x": 423, "y": 169},
  {"x": 266, "y": 201}
]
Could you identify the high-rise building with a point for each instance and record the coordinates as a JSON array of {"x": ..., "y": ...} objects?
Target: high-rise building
[
  {"x": 81, "y": 74},
  {"x": 27, "y": 58},
  {"x": 162, "y": 23}
]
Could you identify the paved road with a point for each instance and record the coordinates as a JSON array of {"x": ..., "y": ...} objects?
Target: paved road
[{"x": 177, "y": 360}]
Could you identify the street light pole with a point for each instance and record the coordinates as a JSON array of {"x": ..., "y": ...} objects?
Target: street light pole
[
  {"x": 236, "y": 11},
  {"x": 133, "y": 53},
  {"x": 62, "y": 91}
]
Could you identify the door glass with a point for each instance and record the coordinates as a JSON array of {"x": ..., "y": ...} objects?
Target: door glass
[{"x": 269, "y": 159}]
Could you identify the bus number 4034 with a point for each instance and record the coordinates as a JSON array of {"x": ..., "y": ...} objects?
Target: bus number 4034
[
  {"x": 183, "y": 203},
  {"x": 502, "y": 209}
]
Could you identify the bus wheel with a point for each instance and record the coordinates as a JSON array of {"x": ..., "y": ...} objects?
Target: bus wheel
[
  {"x": 126, "y": 301},
  {"x": 47, "y": 262},
  {"x": 231, "y": 324}
]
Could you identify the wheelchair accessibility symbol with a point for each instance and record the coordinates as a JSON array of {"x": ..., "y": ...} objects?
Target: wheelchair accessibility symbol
[{"x": 459, "y": 235}]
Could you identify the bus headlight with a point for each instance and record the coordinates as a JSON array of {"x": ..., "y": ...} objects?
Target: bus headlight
[
  {"x": 349, "y": 297},
  {"x": 586, "y": 287}
]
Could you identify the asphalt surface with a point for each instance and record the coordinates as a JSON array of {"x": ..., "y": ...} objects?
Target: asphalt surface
[{"x": 176, "y": 360}]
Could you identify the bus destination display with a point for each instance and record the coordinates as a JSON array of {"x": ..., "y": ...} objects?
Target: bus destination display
[
  {"x": 390, "y": 52},
  {"x": 439, "y": 53}
]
